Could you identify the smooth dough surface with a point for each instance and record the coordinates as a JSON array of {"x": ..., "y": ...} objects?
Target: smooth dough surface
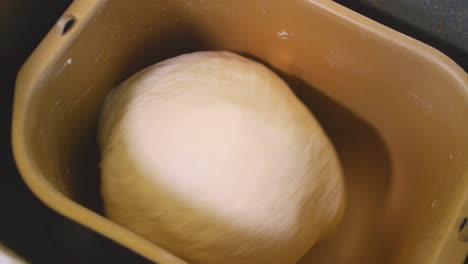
[{"x": 211, "y": 156}]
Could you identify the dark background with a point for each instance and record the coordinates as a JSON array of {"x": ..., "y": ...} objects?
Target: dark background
[{"x": 41, "y": 236}]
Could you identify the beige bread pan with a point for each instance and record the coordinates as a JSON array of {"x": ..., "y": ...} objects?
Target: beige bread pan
[{"x": 395, "y": 109}]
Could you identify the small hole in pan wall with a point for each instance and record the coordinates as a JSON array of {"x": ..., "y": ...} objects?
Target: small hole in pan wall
[
  {"x": 463, "y": 231},
  {"x": 65, "y": 24},
  {"x": 463, "y": 224}
]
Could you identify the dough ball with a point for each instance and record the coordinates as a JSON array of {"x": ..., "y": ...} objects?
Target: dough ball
[{"x": 211, "y": 156}]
